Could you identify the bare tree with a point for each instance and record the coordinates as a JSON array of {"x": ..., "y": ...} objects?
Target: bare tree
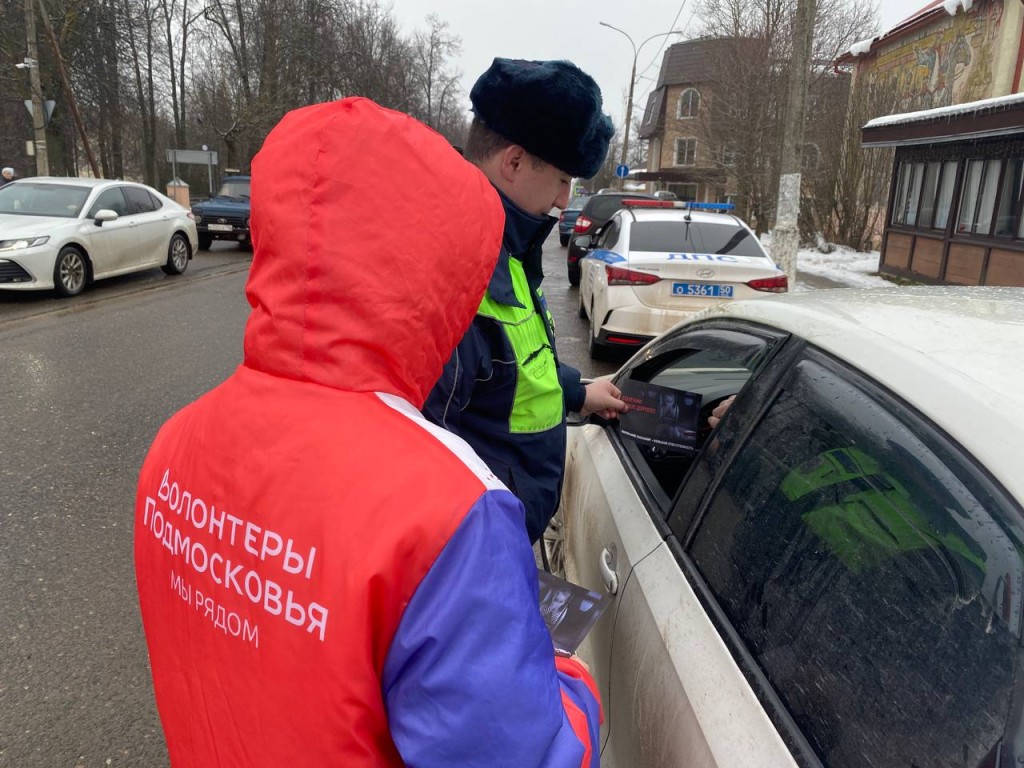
[{"x": 751, "y": 72}]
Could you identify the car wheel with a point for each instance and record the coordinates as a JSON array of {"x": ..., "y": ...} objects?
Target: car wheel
[
  {"x": 69, "y": 272},
  {"x": 205, "y": 241},
  {"x": 177, "y": 255},
  {"x": 564, "y": 240},
  {"x": 574, "y": 275}
]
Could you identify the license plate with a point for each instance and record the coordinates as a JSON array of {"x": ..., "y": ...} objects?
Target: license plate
[
  {"x": 220, "y": 227},
  {"x": 712, "y": 290}
]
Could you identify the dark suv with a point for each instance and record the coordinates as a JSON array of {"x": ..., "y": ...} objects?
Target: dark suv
[
  {"x": 597, "y": 210},
  {"x": 225, "y": 216}
]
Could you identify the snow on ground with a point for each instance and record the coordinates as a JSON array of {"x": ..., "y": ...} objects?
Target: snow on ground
[{"x": 846, "y": 266}]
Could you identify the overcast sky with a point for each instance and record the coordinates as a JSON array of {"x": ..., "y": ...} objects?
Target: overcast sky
[{"x": 569, "y": 29}]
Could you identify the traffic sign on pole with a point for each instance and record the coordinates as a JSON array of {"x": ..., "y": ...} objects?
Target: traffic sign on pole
[{"x": 622, "y": 171}]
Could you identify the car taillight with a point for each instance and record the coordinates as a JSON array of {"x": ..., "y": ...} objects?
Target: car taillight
[
  {"x": 561, "y": 217},
  {"x": 620, "y": 276},
  {"x": 582, "y": 224},
  {"x": 778, "y": 284}
]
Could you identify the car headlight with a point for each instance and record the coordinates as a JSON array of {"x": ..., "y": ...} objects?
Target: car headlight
[
  {"x": 24, "y": 242},
  {"x": 199, "y": 219}
]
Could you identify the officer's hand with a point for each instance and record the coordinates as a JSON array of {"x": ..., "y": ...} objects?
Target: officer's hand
[{"x": 603, "y": 399}]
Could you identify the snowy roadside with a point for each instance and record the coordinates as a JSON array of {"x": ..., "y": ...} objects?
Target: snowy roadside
[{"x": 846, "y": 266}]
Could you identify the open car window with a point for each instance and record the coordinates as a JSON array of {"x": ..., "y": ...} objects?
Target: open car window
[{"x": 673, "y": 391}]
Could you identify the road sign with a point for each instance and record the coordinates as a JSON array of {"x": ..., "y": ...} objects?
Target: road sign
[
  {"x": 622, "y": 171},
  {"x": 193, "y": 156},
  {"x": 47, "y": 110}
]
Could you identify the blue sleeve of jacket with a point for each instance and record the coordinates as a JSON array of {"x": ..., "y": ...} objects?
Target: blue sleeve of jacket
[
  {"x": 470, "y": 678},
  {"x": 574, "y": 392},
  {"x": 454, "y": 388}
]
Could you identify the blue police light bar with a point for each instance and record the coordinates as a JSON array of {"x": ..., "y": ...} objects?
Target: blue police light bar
[{"x": 711, "y": 206}]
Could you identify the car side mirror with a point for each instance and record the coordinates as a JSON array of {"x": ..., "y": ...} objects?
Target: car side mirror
[
  {"x": 586, "y": 242},
  {"x": 104, "y": 214}
]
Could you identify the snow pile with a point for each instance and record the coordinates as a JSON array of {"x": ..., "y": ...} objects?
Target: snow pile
[
  {"x": 862, "y": 46},
  {"x": 952, "y": 110},
  {"x": 952, "y": 6},
  {"x": 845, "y": 266}
]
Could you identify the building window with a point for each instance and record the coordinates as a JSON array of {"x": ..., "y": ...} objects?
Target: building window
[
  {"x": 944, "y": 199},
  {"x": 978, "y": 197},
  {"x": 686, "y": 152},
  {"x": 689, "y": 104},
  {"x": 1009, "y": 198},
  {"x": 908, "y": 193},
  {"x": 685, "y": 192}
]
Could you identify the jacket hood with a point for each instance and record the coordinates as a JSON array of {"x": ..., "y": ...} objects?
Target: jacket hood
[{"x": 373, "y": 244}]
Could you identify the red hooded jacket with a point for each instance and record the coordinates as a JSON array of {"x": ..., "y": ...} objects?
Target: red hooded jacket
[{"x": 325, "y": 578}]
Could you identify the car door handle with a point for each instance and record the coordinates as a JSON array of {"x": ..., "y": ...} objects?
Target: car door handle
[{"x": 608, "y": 575}]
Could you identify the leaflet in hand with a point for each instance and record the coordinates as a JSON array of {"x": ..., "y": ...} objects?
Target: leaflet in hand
[{"x": 569, "y": 610}]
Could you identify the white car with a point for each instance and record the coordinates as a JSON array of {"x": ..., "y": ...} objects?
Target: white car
[
  {"x": 656, "y": 261},
  {"x": 63, "y": 233},
  {"x": 832, "y": 576}
]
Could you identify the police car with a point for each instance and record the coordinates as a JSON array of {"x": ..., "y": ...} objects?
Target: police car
[{"x": 657, "y": 261}]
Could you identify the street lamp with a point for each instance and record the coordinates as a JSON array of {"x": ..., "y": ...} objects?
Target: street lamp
[{"x": 632, "y": 81}]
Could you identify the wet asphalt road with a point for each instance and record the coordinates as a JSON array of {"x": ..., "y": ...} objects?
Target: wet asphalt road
[{"x": 84, "y": 385}]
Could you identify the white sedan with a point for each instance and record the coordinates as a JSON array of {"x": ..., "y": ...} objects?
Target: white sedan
[
  {"x": 833, "y": 575},
  {"x": 63, "y": 233},
  {"x": 656, "y": 262}
]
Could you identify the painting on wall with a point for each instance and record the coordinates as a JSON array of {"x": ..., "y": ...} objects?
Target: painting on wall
[{"x": 948, "y": 62}]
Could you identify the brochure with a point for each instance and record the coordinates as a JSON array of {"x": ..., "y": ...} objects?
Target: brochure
[
  {"x": 569, "y": 610},
  {"x": 660, "y": 416}
]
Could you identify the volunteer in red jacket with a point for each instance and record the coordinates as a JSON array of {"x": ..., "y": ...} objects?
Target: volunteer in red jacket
[{"x": 327, "y": 579}]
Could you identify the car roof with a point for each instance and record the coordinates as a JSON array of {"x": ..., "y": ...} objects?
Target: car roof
[
  {"x": 679, "y": 214},
  {"x": 74, "y": 181},
  {"x": 952, "y": 351}
]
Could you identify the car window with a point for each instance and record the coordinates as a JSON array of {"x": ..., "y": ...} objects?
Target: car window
[
  {"x": 110, "y": 199},
  {"x": 873, "y": 573},
  {"x": 139, "y": 200},
  {"x": 239, "y": 188},
  {"x": 28, "y": 198},
  {"x": 694, "y": 237},
  {"x": 711, "y": 363},
  {"x": 610, "y": 235},
  {"x": 576, "y": 203}
]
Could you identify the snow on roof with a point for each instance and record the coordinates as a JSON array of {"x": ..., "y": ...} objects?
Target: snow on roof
[
  {"x": 953, "y": 110},
  {"x": 862, "y": 46},
  {"x": 951, "y": 7}
]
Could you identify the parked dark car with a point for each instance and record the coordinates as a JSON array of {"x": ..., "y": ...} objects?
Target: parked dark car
[
  {"x": 568, "y": 218},
  {"x": 596, "y": 212},
  {"x": 225, "y": 216}
]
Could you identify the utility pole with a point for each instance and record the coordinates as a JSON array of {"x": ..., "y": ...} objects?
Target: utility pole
[
  {"x": 38, "y": 116},
  {"x": 786, "y": 235},
  {"x": 68, "y": 93}
]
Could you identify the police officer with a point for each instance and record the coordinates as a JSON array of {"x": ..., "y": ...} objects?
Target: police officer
[{"x": 537, "y": 124}]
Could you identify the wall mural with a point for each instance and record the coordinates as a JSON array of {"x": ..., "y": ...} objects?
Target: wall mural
[{"x": 948, "y": 62}]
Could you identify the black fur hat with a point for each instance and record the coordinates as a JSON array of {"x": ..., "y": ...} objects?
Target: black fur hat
[{"x": 550, "y": 108}]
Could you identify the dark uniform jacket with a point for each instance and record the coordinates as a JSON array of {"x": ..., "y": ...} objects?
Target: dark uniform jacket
[{"x": 503, "y": 390}]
